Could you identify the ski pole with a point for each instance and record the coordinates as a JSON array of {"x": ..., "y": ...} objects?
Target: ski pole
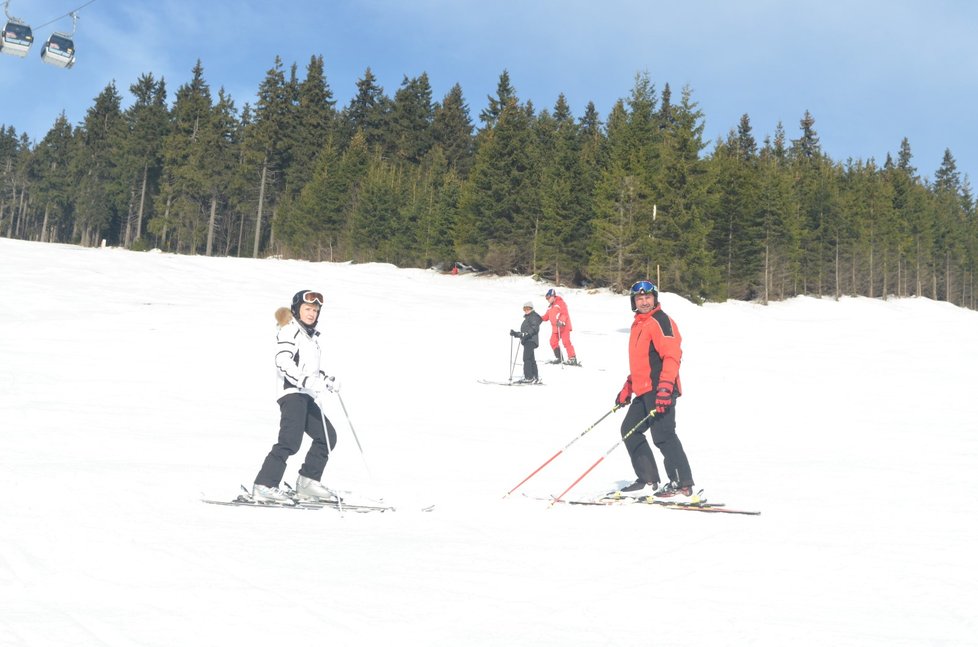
[
  {"x": 613, "y": 447},
  {"x": 329, "y": 450},
  {"x": 513, "y": 354},
  {"x": 359, "y": 446},
  {"x": 561, "y": 451}
]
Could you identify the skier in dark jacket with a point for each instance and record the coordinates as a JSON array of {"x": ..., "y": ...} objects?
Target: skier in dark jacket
[{"x": 529, "y": 336}]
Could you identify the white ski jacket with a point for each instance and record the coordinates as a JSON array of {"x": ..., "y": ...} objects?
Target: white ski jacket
[{"x": 297, "y": 357}]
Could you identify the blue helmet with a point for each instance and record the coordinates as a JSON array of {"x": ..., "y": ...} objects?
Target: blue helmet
[
  {"x": 551, "y": 293},
  {"x": 643, "y": 287}
]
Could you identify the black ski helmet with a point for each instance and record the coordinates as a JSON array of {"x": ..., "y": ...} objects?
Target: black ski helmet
[
  {"x": 306, "y": 296},
  {"x": 643, "y": 287}
]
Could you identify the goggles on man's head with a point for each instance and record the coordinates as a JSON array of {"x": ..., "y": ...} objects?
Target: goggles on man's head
[
  {"x": 313, "y": 297},
  {"x": 644, "y": 287}
]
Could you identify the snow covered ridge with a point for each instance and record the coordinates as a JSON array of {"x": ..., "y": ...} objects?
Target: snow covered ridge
[{"x": 136, "y": 382}]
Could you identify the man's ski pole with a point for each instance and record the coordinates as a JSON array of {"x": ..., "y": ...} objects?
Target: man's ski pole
[
  {"x": 613, "y": 447},
  {"x": 512, "y": 355},
  {"x": 561, "y": 451},
  {"x": 350, "y": 423}
]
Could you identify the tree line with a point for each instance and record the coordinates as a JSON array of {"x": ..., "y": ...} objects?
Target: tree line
[{"x": 417, "y": 182}]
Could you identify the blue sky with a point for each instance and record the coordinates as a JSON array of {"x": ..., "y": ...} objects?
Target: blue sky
[{"x": 870, "y": 72}]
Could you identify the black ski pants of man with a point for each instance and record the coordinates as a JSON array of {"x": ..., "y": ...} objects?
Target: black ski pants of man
[
  {"x": 530, "y": 363},
  {"x": 663, "y": 427},
  {"x": 300, "y": 414}
]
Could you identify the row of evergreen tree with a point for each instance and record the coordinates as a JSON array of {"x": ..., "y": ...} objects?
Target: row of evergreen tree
[{"x": 414, "y": 182}]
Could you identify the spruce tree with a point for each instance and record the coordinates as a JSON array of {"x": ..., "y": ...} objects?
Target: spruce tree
[
  {"x": 368, "y": 112},
  {"x": 412, "y": 115},
  {"x": 452, "y": 131},
  {"x": 315, "y": 116},
  {"x": 99, "y": 192},
  {"x": 147, "y": 122}
]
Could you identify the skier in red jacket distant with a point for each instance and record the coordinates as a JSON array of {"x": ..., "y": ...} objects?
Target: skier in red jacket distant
[
  {"x": 560, "y": 324},
  {"x": 654, "y": 355}
]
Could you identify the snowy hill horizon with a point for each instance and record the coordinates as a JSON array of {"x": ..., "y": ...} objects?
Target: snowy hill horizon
[{"x": 135, "y": 384}]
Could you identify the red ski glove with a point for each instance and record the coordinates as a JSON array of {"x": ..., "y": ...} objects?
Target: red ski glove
[
  {"x": 625, "y": 395},
  {"x": 663, "y": 397}
]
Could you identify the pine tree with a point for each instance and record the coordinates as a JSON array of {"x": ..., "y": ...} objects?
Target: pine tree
[
  {"x": 220, "y": 142},
  {"x": 781, "y": 221},
  {"x": 412, "y": 115},
  {"x": 184, "y": 157},
  {"x": 500, "y": 204},
  {"x": 53, "y": 184},
  {"x": 565, "y": 205},
  {"x": 452, "y": 131},
  {"x": 681, "y": 233},
  {"x": 505, "y": 96},
  {"x": 950, "y": 230},
  {"x": 737, "y": 230},
  {"x": 99, "y": 202},
  {"x": 368, "y": 112},
  {"x": 622, "y": 207},
  {"x": 147, "y": 123},
  {"x": 265, "y": 141},
  {"x": 315, "y": 115}
]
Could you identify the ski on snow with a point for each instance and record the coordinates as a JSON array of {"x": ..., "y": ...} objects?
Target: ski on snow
[
  {"x": 511, "y": 383},
  {"x": 245, "y": 499},
  {"x": 613, "y": 500}
]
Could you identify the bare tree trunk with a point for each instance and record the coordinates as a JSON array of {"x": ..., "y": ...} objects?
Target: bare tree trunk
[
  {"x": 947, "y": 277},
  {"x": 142, "y": 202},
  {"x": 240, "y": 235},
  {"x": 210, "y": 225},
  {"x": 127, "y": 240},
  {"x": 920, "y": 282},
  {"x": 767, "y": 272},
  {"x": 838, "y": 286},
  {"x": 166, "y": 218},
  {"x": 271, "y": 235},
  {"x": 21, "y": 230},
  {"x": 261, "y": 205},
  {"x": 44, "y": 225}
]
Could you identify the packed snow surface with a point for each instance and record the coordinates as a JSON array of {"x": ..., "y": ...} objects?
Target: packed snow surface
[{"x": 133, "y": 385}]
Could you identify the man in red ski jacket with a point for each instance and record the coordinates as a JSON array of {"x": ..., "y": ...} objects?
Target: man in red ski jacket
[
  {"x": 560, "y": 326},
  {"x": 654, "y": 355}
]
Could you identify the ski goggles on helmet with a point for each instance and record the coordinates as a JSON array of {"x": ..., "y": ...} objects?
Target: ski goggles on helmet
[
  {"x": 313, "y": 297},
  {"x": 644, "y": 287}
]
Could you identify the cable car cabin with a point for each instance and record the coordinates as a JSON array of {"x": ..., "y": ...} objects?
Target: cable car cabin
[
  {"x": 17, "y": 39},
  {"x": 59, "y": 50}
]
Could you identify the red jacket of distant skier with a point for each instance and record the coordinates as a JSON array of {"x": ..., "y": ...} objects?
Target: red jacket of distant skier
[{"x": 557, "y": 313}]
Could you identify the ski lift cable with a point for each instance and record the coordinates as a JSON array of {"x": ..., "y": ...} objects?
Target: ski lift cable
[{"x": 73, "y": 14}]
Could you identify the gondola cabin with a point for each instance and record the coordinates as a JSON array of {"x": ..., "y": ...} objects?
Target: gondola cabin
[
  {"x": 17, "y": 39},
  {"x": 59, "y": 50}
]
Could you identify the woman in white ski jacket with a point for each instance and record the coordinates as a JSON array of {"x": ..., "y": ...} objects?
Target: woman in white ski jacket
[{"x": 301, "y": 381}]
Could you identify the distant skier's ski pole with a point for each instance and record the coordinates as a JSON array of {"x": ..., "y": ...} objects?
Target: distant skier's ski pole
[
  {"x": 561, "y": 451},
  {"x": 512, "y": 354},
  {"x": 350, "y": 423},
  {"x": 613, "y": 447}
]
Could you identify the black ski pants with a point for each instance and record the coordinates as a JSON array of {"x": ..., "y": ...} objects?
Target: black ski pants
[
  {"x": 663, "y": 428},
  {"x": 530, "y": 363},
  {"x": 300, "y": 414}
]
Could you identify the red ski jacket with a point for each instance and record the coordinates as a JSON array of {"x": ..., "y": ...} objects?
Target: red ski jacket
[
  {"x": 557, "y": 312},
  {"x": 654, "y": 352}
]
